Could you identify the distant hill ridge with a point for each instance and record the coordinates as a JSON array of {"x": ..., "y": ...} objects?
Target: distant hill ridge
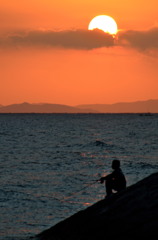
[
  {"x": 125, "y": 107},
  {"x": 131, "y": 107},
  {"x": 41, "y": 108}
]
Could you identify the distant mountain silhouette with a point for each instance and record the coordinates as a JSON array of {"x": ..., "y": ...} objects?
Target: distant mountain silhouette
[
  {"x": 149, "y": 106},
  {"x": 41, "y": 108}
]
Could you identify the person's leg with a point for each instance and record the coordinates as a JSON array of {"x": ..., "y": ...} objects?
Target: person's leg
[{"x": 109, "y": 187}]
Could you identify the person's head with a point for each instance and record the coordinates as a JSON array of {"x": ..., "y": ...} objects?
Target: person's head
[{"x": 115, "y": 164}]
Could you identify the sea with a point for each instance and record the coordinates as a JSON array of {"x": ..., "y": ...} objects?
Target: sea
[{"x": 50, "y": 164}]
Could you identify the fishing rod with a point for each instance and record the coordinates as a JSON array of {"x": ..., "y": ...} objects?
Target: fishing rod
[{"x": 80, "y": 191}]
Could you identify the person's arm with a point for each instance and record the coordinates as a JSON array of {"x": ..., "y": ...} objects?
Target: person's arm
[{"x": 102, "y": 179}]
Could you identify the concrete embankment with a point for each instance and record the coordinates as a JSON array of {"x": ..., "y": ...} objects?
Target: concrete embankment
[{"x": 131, "y": 214}]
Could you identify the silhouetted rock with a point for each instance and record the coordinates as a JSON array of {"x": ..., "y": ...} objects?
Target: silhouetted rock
[
  {"x": 131, "y": 214},
  {"x": 99, "y": 143}
]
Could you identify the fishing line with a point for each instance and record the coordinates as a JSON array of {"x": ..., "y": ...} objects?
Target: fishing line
[{"x": 65, "y": 198}]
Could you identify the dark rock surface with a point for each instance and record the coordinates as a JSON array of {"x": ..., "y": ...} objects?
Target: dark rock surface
[{"x": 131, "y": 214}]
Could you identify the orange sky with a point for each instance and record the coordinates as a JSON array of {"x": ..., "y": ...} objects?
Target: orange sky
[{"x": 48, "y": 55}]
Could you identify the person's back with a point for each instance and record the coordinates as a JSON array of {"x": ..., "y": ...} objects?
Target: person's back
[{"x": 119, "y": 179}]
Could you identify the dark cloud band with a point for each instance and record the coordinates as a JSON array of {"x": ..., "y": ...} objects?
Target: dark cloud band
[
  {"x": 83, "y": 39},
  {"x": 142, "y": 40},
  {"x": 79, "y": 39}
]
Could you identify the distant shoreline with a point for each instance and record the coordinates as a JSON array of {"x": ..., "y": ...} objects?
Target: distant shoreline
[{"x": 33, "y": 113}]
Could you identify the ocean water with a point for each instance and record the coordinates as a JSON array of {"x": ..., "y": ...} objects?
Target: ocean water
[{"x": 49, "y": 164}]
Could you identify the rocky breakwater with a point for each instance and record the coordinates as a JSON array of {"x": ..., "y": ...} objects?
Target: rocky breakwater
[{"x": 131, "y": 214}]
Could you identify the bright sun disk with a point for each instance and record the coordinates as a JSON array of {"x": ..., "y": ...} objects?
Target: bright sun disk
[{"x": 104, "y": 23}]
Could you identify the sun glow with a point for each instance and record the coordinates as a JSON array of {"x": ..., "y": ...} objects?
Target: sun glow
[{"x": 104, "y": 23}]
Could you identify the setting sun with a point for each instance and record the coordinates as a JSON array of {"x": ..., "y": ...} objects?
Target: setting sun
[
  {"x": 78, "y": 52},
  {"x": 104, "y": 23}
]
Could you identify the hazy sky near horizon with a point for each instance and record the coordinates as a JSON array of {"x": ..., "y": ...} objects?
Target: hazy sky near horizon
[{"x": 47, "y": 53}]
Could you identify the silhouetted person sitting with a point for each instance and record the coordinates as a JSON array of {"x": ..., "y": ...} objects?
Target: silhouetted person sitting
[{"x": 116, "y": 180}]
